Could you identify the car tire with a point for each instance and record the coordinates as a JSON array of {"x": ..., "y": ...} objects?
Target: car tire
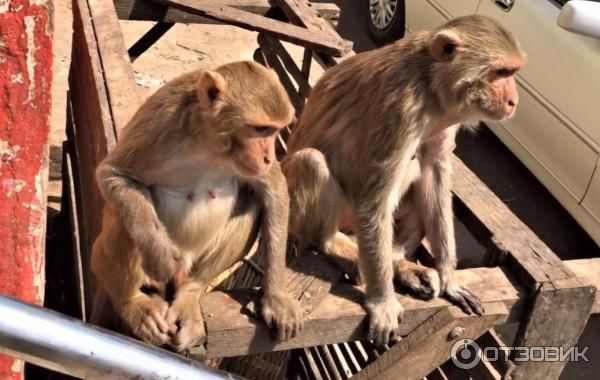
[{"x": 388, "y": 29}]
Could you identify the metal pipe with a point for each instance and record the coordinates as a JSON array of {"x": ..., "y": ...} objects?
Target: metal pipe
[{"x": 67, "y": 345}]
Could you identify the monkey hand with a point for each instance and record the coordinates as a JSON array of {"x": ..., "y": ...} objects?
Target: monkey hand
[
  {"x": 459, "y": 296},
  {"x": 162, "y": 259},
  {"x": 282, "y": 313},
  {"x": 146, "y": 316},
  {"x": 186, "y": 315},
  {"x": 384, "y": 317}
]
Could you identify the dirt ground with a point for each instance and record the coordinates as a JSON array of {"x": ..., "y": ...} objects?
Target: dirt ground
[{"x": 188, "y": 47}]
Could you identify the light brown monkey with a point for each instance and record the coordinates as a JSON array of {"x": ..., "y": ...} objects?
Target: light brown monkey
[
  {"x": 375, "y": 138},
  {"x": 189, "y": 185}
]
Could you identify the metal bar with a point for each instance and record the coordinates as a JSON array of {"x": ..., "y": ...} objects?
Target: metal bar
[{"x": 67, "y": 345}]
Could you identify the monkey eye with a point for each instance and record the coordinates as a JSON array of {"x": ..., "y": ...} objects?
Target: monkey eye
[
  {"x": 449, "y": 48},
  {"x": 504, "y": 72},
  {"x": 261, "y": 128}
]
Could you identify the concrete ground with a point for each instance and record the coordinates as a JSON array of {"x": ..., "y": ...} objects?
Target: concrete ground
[{"x": 188, "y": 47}]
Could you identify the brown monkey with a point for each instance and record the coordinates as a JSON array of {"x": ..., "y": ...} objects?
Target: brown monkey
[
  {"x": 376, "y": 133},
  {"x": 189, "y": 185}
]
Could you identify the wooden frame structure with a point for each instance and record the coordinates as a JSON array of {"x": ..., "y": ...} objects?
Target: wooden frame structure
[{"x": 525, "y": 281}]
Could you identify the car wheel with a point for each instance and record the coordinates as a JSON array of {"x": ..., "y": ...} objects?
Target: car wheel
[{"x": 386, "y": 20}]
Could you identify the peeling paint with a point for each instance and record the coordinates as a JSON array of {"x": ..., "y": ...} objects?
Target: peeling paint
[
  {"x": 16, "y": 78},
  {"x": 11, "y": 186},
  {"x": 4, "y": 4},
  {"x": 17, "y": 366},
  {"x": 30, "y": 54}
]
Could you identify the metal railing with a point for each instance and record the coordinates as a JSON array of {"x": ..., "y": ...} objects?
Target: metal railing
[{"x": 67, "y": 345}]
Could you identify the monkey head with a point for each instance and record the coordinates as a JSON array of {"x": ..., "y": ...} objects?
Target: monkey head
[
  {"x": 475, "y": 61},
  {"x": 243, "y": 106}
]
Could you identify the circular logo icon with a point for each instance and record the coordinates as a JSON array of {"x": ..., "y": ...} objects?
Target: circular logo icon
[{"x": 465, "y": 353}]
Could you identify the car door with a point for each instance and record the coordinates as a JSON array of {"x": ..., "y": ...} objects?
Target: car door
[
  {"x": 556, "y": 131},
  {"x": 429, "y": 14}
]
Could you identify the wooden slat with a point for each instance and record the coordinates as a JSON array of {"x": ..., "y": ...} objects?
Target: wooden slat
[
  {"x": 589, "y": 269},
  {"x": 301, "y": 36},
  {"x": 123, "y": 93},
  {"x": 91, "y": 134},
  {"x": 429, "y": 345},
  {"x": 502, "y": 366},
  {"x": 147, "y": 10},
  {"x": 300, "y": 12},
  {"x": 340, "y": 316},
  {"x": 274, "y": 47},
  {"x": 492, "y": 222}
]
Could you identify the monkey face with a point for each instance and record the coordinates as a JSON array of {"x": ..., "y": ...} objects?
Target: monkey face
[{"x": 253, "y": 149}]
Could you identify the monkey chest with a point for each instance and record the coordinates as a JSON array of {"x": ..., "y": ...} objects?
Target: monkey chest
[{"x": 194, "y": 214}]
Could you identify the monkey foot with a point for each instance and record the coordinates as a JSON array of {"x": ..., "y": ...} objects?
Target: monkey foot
[
  {"x": 384, "y": 320},
  {"x": 283, "y": 314},
  {"x": 147, "y": 316},
  {"x": 463, "y": 298},
  {"x": 421, "y": 281},
  {"x": 190, "y": 335}
]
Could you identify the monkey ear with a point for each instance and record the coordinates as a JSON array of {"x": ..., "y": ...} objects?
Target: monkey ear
[
  {"x": 443, "y": 44},
  {"x": 210, "y": 89}
]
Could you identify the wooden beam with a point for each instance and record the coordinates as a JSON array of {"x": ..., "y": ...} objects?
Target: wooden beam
[
  {"x": 123, "y": 92},
  {"x": 430, "y": 344},
  {"x": 302, "y": 13},
  {"x": 340, "y": 316},
  {"x": 335, "y": 46},
  {"x": 149, "y": 11},
  {"x": 274, "y": 47},
  {"x": 590, "y": 270},
  {"x": 493, "y": 223},
  {"x": 91, "y": 134},
  {"x": 559, "y": 314}
]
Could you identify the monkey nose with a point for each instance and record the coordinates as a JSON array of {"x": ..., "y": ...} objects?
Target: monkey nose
[{"x": 268, "y": 160}]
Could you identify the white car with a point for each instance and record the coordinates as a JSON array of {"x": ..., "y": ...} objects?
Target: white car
[{"x": 556, "y": 130}]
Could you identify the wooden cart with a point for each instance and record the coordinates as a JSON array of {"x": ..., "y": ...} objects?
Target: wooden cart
[{"x": 524, "y": 281}]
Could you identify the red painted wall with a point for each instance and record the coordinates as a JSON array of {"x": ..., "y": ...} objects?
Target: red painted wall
[{"x": 25, "y": 79}]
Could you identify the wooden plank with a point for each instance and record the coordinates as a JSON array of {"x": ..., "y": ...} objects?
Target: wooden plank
[
  {"x": 273, "y": 46},
  {"x": 503, "y": 366},
  {"x": 429, "y": 345},
  {"x": 492, "y": 222},
  {"x": 123, "y": 92},
  {"x": 288, "y": 32},
  {"x": 70, "y": 198},
  {"x": 91, "y": 134},
  {"x": 340, "y": 316},
  {"x": 300, "y": 12},
  {"x": 148, "y": 11},
  {"x": 590, "y": 270},
  {"x": 559, "y": 314}
]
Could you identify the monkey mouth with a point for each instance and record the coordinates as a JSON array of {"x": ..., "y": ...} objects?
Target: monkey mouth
[{"x": 249, "y": 171}]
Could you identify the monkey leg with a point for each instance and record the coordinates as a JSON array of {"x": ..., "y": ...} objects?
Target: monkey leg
[
  {"x": 420, "y": 280},
  {"x": 117, "y": 266},
  {"x": 317, "y": 203}
]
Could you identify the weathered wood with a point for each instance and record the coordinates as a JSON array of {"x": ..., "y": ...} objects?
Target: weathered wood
[
  {"x": 92, "y": 132},
  {"x": 340, "y": 316},
  {"x": 590, "y": 270},
  {"x": 324, "y": 43},
  {"x": 559, "y": 314},
  {"x": 123, "y": 93},
  {"x": 148, "y": 11},
  {"x": 274, "y": 47},
  {"x": 503, "y": 366},
  {"x": 492, "y": 222},
  {"x": 71, "y": 201},
  {"x": 429, "y": 345},
  {"x": 300, "y": 12}
]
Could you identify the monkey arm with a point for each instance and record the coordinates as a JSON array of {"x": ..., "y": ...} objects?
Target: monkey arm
[
  {"x": 272, "y": 190},
  {"x": 279, "y": 310},
  {"x": 434, "y": 201},
  {"x": 132, "y": 202}
]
